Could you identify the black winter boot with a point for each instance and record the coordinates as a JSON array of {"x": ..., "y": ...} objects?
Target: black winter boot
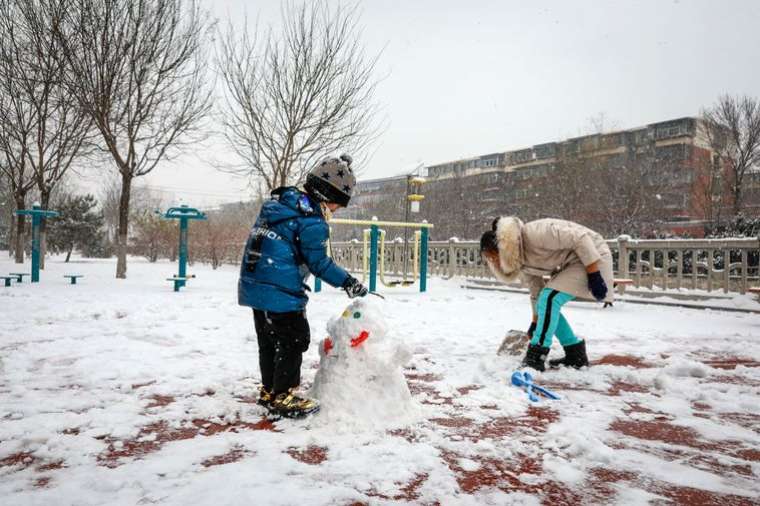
[
  {"x": 289, "y": 405},
  {"x": 575, "y": 356},
  {"x": 535, "y": 357},
  {"x": 266, "y": 397}
]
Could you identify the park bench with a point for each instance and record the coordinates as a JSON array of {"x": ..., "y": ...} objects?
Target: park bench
[
  {"x": 8, "y": 279},
  {"x": 19, "y": 276},
  {"x": 754, "y": 289},
  {"x": 73, "y": 277},
  {"x": 618, "y": 282},
  {"x": 615, "y": 282},
  {"x": 179, "y": 281}
]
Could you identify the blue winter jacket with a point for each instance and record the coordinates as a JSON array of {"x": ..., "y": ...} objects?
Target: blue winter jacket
[{"x": 288, "y": 241}]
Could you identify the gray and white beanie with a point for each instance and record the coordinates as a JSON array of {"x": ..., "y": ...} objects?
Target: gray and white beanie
[{"x": 332, "y": 180}]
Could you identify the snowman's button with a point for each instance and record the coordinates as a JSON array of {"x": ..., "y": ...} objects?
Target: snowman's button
[{"x": 357, "y": 315}]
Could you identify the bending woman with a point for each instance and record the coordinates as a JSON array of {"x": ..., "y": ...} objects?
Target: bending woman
[{"x": 559, "y": 261}]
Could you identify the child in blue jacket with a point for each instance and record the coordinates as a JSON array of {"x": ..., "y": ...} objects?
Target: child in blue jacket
[{"x": 289, "y": 241}]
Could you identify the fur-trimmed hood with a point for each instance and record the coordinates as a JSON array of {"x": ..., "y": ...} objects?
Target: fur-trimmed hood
[{"x": 509, "y": 238}]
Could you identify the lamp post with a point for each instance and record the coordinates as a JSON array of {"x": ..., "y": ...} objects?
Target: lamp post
[{"x": 413, "y": 199}]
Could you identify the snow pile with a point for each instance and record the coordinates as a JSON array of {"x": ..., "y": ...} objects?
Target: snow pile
[
  {"x": 130, "y": 393},
  {"x": 685, "y": 368},
  {"x": 360, "y": 380}
]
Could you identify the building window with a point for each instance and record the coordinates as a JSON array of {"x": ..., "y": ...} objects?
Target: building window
[
  {"x": 523, "y": 156},
  {"x": 671, "y": 130},
  {"x": 611, "y": 141},
  {"x": 545, "y": 150}
]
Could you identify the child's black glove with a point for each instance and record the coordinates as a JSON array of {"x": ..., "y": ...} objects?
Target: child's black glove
[
  {"x": 354, "y": 288},
  {"x": 596, "y": 285}
]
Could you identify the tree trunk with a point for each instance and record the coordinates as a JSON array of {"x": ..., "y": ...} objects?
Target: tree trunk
[
  {"x": 12, "y": 235},
  {"x": 44, "y": 201},
  {"x": 20, "y": 225},
  {"x": 68, "y": 255},
  {"x": 121, "y": 245},
  {"x": 737, "y": 191}
]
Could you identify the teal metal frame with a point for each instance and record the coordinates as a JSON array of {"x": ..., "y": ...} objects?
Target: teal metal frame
[
  {"x": 423, "y": 259},
  {"x": 37, "y": 213},
  {"x": 373, "y": 260},
  {"x": 183, "y": 213},
  {"x": 373, "y": 236}
]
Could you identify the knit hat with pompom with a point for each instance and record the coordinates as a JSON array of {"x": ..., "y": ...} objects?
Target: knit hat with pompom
[{"x": 332, "y": 180}]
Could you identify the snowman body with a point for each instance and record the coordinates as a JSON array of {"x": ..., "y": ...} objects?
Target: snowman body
[{"x": 360, "y": 378}]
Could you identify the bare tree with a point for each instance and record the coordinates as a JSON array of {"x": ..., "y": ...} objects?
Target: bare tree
[
  {"x": 16, "y": 124},
  {"x": 601, "y": 123},
  {"x": 154, "y": 236},
  {"x": 16, "y": 170},
  {"x": 292, "y": 96},
  {"x": 7, "y": 215},
  {"x": 109, "y": 196},
  {"x": 733, "y": 129},
  {"x": 631, "y": 198},
  {"x": 219, "y": 239},
  {"x": 613, "y": 194},
  {"x": 31, "y": 65},
  {"x": 563, "y": 191},
  {"x": 709, "y": 188},
  {"x": 138, "y": 67}
]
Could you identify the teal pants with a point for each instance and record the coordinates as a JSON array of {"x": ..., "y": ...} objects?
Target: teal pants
[{"x": 550, "y": 321}]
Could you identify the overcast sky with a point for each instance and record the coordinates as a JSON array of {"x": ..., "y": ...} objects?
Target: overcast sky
[{"x": 462, "y": 78}]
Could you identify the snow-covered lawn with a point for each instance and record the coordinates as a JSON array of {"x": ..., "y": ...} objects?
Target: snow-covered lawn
[{"x": 123, "y": 392}]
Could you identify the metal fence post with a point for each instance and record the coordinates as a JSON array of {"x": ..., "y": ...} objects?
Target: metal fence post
[
  {"x": 623, "y": 260},
  {"x": 452, "y": 259},
  {"x": 424, "y": 260},
  {"x": 373, "y": 258}
]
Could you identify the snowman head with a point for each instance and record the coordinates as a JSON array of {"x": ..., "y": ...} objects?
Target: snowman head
[{"x": 359, "y": 325}]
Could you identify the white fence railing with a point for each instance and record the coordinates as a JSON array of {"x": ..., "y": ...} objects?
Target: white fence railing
[{"x": 730, "y": 265}]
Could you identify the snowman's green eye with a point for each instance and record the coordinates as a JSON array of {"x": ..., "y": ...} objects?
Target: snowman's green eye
[{"x": 357, "y": 315}]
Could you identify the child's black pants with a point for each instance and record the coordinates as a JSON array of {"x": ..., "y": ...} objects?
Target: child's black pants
[{"x": 283, "y": 338}]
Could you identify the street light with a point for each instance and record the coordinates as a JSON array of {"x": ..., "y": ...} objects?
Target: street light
[
  {"x": 413, "y": 199},
  {"x": 414, "y": 185}
]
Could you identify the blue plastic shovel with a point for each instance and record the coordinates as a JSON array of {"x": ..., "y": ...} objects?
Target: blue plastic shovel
[{"x": 524, "y": 379}]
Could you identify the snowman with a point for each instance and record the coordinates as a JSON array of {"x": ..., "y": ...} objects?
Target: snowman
[{"x": 360, "y": 378}]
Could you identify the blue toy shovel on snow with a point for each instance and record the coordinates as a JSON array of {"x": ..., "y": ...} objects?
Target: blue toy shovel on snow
[{"x": 524, "y": 379}]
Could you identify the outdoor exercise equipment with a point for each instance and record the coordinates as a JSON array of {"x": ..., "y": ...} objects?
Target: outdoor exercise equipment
[
  {"x": 184, "y": 214},
  {"x": 374, "y": 250},
  {"x": 37, "y": 213},
  {"x": 381, "y": 256},
  {"x": 525, "y": 380}
]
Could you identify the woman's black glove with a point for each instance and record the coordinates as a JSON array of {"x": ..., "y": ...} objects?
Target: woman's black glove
[
  {"x": 531, "y": 329},
  {"x": 354, "y": 288},
  {"x": 597, "y": 286}
]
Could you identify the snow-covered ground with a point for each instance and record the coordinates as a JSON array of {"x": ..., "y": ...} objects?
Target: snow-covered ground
[{"x": 123, "y": 392}]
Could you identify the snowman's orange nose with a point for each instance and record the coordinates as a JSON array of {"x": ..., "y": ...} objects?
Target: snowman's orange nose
[{"x": 363, "y": 336}]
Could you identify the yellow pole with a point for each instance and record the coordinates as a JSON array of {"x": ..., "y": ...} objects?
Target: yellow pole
[
  {"x": 416, "y": 260},
  {"x": 365, "y": 256},
  {"x": 341, "y": 221},
  {"x": 381, "y": 268}
]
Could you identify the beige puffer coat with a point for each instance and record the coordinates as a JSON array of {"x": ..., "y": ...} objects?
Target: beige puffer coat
[{"x": 559, "y": 249}]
